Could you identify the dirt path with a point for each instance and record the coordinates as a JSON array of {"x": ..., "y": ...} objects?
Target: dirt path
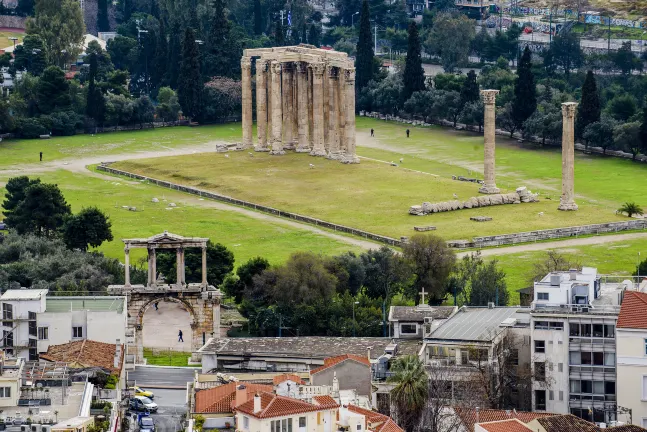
[{"x": 559, "y": 244}]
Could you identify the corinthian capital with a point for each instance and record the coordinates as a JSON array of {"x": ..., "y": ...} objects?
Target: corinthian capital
[
  {"x": 246, "y": 63},
  {"x": 489, "y": 96},
  {"x": 276, "y": 67},
  {"x": 349, "y": 75},
  {"x": 568, "y": 109},
  {"x": 318, "y": 68}
]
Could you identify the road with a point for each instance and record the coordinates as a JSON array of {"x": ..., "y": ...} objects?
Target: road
[
  {"x": 149, "y": 376},
  {"x": 172, "y": 406}
]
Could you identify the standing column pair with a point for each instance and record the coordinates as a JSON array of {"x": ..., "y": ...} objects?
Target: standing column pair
[{"x": 247, "y": 118}]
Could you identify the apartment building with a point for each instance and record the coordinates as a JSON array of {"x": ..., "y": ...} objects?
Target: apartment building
[{"x": 573, "y": 350}]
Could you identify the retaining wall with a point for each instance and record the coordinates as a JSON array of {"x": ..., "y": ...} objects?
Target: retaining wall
[
  {"x": 14, "y": 22},
  {"x": 306, "y": 219}
]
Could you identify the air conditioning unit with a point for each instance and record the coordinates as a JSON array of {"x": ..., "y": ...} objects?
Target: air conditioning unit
[
  {"x": 24, "y": 428},
  {"x": 45, "y": 428},
  {"x": 584, "y": 309},
  {"x": 34, "y": 427},
  {"x": 575, "y": 309}
]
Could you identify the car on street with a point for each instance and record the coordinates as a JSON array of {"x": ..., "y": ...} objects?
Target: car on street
[
  {"x": 146, "y": 423},
  {"x": 142, "y": 403},
  {"x": 142, "y": 392}
]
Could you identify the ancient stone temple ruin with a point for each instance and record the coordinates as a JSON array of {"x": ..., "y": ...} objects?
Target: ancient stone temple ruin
[
  {"x": 201, "y": 300},
  {"x": 305, "y": 101},
  {"x": 567, "y": 200}
]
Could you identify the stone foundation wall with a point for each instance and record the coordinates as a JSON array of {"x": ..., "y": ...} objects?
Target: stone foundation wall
[
  {"x": 12, "y": 21},
  {"x": 522, "y": 195}
]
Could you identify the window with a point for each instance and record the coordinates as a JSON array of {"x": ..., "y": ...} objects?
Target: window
[
  {"x": 7, "y": 311},
  {"x": 551, "y": 395},
  {"x": 561, "y": 395},
  {"x": 644, "y": 422},
  {"x": 644, "y": 388},
  {"x": 302, "y": 422},
  {"x": 32, "y": 324},
  {"x": 359, "y": 427},
  {"x": 540, "y": 372},
  {"x": 542, "y": 296},
  {"x": 609, "y": 331},
  {"x": 77, "y": 332},
  {"x": 541, "y": 325},
  {"x": 598, "y": 358},
  {"x": 5, "y": 392},
  {"x": 408, "y": 329},
  {"x": 598, "y": 330},
  {"x": 8, "y": 338},
  {"x": 43, "y": 333},
  {"x": 245, "y": 422},
  {"x": 33, "y": 354},
  {"x": 560, "y": 367},
  {"x": 585, "y": 330},
  {"x": 645, "y": 346},
  {"x": 514, "y": 357},
  {"x": 586, "y": 386},
  {"x": 609, "y": 387},
  {"x": 540, "y": 400},
  {"x": 574, "y": 329},
  {"x": 586, "y": 357},
  {"x": 557, "y": 325},
  {"x": 540, "y": 346}
]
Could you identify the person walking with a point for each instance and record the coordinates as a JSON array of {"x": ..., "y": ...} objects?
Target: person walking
[
  {"x": 407, "y": 133},
  {"x": 179, "y": 336},
  {"x": 372, "y": 132},
  {"x": 155, "y": 304},
  {"x": 41, "y": 156}
]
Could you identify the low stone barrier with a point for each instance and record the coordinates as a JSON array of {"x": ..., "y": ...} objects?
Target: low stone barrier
[
  {"x": 104, "y": 166},
  {"x": 424, "y": 228},
  {"x": 522, "y": 195}
]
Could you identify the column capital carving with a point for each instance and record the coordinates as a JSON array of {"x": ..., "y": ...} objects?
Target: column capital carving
[
  {"x": 349, "y": 75},
  {"x": 246, "y": 64},
  {"x": 489, "y": 96},
  {"x": 332, "y": 71},
  {"x": 302, "y": 67},
  {"x": 318, "y": 68},
  {"x": 568, "y": 109},
  {"x": 261, "y": 64},
  {"x": 276, "y": 67}
]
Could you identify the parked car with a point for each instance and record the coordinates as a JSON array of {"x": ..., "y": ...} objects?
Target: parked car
[
  {"x": 142, "y": 392},
  {"x": 142, "y": 403},
  {"x": 146, "y": 423}
]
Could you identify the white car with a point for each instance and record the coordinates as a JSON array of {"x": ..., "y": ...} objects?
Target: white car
[{"x": 142, "y": 403}]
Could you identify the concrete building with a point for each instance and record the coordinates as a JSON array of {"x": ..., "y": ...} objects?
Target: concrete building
[
  {"x": 631, "y": 350},
  {"x": 573, "y": 326},
  {"x": 410, "y": 322},
  {"x": 19, "y": 321},
  {"x": 353, "y": 372},
  {"x": 10, "y": 381},
  {"x": 354, "y": 418}
]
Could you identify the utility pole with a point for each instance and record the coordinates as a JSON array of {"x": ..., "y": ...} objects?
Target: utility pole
[
  {"x": 375, "y": 48},
  {"x": 282, "y": 11}
]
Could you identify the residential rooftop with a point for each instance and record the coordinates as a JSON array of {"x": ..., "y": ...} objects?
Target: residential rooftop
[
  {"x": 85, "y": 354},
  {"x": 273, "y": 406},
  {"x": 470, "y": 416},
  {"x": 332, "y": 361},
  {"x": 419, "y": 313},
  {"x": 633, "y": 313},
  {"x": 222, "y": 399},
  {"x": 23, "y": 294},
  {"x": 91, "y": 304},
  {"x": 478, "y": 324},
  {"x": 512, "y": 425}
]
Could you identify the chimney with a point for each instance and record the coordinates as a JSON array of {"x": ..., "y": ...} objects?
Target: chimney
[
  {"x": 257, "y": 403},
  {"x": 335, "y": 385},
  {"x": 117, "y": 361},
  {"x": 573, "y": 273},
  {"x": 241, "y": 395}
]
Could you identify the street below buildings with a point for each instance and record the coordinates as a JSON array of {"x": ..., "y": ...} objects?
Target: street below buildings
[
  {"x": 161, "y": 377},
  {"x": 170, "y": 414}
]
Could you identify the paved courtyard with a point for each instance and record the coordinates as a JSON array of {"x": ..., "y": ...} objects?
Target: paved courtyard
[{"x": 160, "y": 327}]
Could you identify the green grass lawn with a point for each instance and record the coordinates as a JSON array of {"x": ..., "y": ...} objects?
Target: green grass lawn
[{"x": 158, "y": 357}]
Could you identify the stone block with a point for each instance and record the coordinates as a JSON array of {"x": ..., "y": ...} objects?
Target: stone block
[
  {"x": 416, "y": 210},
  {"x": 496, "y": 199},
  {"x": 426, "y": 207},
  {"x": 424, "y": 228},
  {"x": 481, "y": 218}
]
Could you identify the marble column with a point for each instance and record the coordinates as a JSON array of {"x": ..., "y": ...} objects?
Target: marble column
[
  {"x": 178, "y": 267},
  {"x": 567, "y": 200},
  {"x": 333, "y": 115},
  {"x": 276, "y": 105},
  {"x": 247, "y": 119},
  {"x": 349, "y": 130},
  {"x": 311, "y": 130},
  {"x": 286, "y": 101},
  {"x": 204, "y": 266},
  {"x": 318, "y": 70},
  {"x": 294, "y": 104},
  {"x": 489, "y": 138},
  {"x": 152, "y": 267},
  {"x": 261, "y": 105},
  {"x": 340, "y": 91},
  {"x": 303, "y": 108},
  {"x": 325, "y": 112},
  {"x": 127, "y": 267}
]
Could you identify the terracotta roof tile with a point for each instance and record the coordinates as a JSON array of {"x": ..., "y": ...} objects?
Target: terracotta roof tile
[
  {"x": 220, "y": 399},
  {"x": 273, "y": 405},
  {"x": 287, "y": 377},
  {"x": 325, "y": 401},
  {"x": 567, "y": 423},
  {"x": 512, "y": 425},
  {"x": 625, "y": 428},
  {"x": 633, "y": 312},
  {"x": 85, "y": 353},
  {"x": 469, "y": 416},
  {"x": 332, "y": 361},
  {"x": 378, "y": 422}
]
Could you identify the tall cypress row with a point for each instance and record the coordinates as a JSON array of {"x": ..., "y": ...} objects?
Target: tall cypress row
[
  {"x": 589, "y": 110},
  {"x": 190, "y": 81},
  {"x": 174, "y": 53},
  {"x": 159, "y": 75},
  {"x": 365, "y": 54},
  {"x": 92, "y": 74},
  {"x": 258, "y": 17},
  {"x": 525, "y": 92},
  {"x": 103, "y": 25},
  {"x": 414, "y": 75}
]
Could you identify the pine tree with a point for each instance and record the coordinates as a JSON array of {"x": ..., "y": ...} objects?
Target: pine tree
[
  {"x": 314, "y": 35},
  {"x": 470, "y": 89},
  {"x": 174, "y": 54},
  {"x": 159, "y": 75},
  {"x": 258, "y": 17},
  {"x": 525, "y": 92},
  {"x": 589, "y": 110},
  {"x": 365, "y": 54},
  {"x": 103, "y": 25},
  {"x": 414, "y": 75},
  {"x": 190, "y": 80}
]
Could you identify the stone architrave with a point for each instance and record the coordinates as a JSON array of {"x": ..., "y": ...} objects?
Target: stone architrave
[
  {"x": 567, "y": 200},
  {"x": 247, "y": 120},
  {"x": 334, "y": 151},
  {"x": 489, "y": 138},
  {"x": 303, "y": 110},
  {"x": 261, "y": 105},
  {"x": 349, "y": 90},
  {"x": 318, "y": 148},
  {"x": 286, "y": 100},
  {"x": 277, "y": 120}
]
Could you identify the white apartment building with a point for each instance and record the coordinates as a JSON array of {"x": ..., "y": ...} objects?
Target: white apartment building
[
  {"x": 573, "y": 350},
  {"x": 31, "y": 321}
]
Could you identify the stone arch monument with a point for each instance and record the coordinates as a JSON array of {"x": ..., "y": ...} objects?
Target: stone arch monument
[{"x": 201, "y": 300}]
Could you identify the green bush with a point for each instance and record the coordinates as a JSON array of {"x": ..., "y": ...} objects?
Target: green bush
[
  {"x": 30, "y": 127},
  {"x": 111, "y": 383}
]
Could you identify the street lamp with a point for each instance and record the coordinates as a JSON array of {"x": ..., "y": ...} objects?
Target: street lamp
[
  {"x": 352, "y": 19},
  {"x": 14, "y": 39},
  {"x": 354, "y": 322}
]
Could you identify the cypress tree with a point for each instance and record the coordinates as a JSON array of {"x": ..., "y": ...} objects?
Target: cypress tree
[
  {"x": 159, "y": 75},
  {"x": 190, "y": 81},
  {"x": 174, "y": 54},
  {"x": 279, "y": 39},
  {"x": 313, "y": 35},
  {"x": 90, "y": 104},
  {"x": 103, "y": 25},
  {"x": 127, "y": 10},
  {"x": 219, "y": 57},
  {"x": 365, "y": 54},
  {"x": 589, "y": 110},
  {"x": 414, "y": 75},
  {"x": 470, "y": 89},
  {"x": 258, "y": 17},
  {"x": 525, "y": 92},
  {"x": 643, "y": 130}
]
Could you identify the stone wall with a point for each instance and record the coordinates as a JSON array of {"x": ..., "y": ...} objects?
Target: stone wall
[
  {"x": 12, "y": 21},
  {"x": 521, "y": 195}
]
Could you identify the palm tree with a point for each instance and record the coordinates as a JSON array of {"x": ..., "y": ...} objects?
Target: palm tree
[
  {"x": 631, "y": 208},
  {"x": 411, "y": 390}
]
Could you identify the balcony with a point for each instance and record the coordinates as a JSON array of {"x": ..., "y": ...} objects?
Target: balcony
[{"x": 14, "y": 318}]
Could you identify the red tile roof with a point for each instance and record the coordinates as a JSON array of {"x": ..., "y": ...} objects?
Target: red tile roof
[
  {"x": 375, "y": 421},
  {"x": 222, "y": 398},
  {"x": 273, "y": 405},
  {"x": 332, "y": 361},
  {"x": 567, "y": 423},
  {"x": 633, "y": 312},
  {"x": 326, "y": 401},
  {"x": 86, "y": 353},
  {"x": 287, "y": 377},
  {"x": 513, "y": 425},
  {"x": 469, "y": 416}
]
